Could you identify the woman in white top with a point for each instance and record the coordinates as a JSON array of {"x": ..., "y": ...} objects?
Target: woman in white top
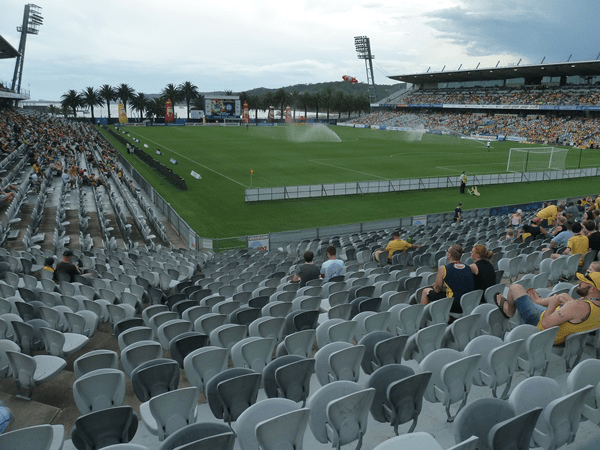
[{"x": 516, "y": 219}]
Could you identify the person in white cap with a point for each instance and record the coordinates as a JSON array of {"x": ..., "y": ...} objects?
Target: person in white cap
[{"x": 516, "y": 219}]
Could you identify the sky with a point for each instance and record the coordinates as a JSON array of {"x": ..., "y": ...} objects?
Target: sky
[{"x": 241, "y": 45}]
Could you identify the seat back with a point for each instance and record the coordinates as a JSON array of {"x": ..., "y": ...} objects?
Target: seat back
[
  {"x": 347, "y": 417},
  {"x": 174, "y": 410}
]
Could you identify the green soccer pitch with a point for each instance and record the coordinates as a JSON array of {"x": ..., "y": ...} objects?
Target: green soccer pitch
[{"x": 214, "y": 206}]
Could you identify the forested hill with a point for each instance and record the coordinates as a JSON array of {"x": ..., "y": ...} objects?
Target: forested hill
[{"x": 382, "y": 90}]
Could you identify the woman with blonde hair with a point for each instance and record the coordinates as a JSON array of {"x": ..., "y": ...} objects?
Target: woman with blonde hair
[
  {"x": 453, "y": 280},
  {"x": 484, "y": 275}
]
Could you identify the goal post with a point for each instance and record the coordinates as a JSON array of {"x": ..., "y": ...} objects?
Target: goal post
[{"x": 536, "y": 158}]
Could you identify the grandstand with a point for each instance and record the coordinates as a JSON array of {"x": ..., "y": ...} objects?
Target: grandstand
[{"x": 141, "y": 266}]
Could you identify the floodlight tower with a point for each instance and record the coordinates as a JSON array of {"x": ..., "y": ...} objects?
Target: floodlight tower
[
  {"x": 32, "y": 20},
  {"x": 363, "y": 48}
]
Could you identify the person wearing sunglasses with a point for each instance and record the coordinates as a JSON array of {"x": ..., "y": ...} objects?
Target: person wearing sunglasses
[{"x": 562, "y": 310}]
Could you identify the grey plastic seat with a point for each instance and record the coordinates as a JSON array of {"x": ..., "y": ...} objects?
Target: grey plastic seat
[
  {"x": 322, "y": 367},
  {"x": 539, "y": 351},
  {"x": 99, "y": 389},
  {"x": 227, "y": 335},
  {"x": 380, "y": 380},
  {"x": 572, "y": 349},
  {"x": 482, "y": 345},
  {"x": 166, "y": 413},
  {"x": 104, "y": 427},
  {"x": 159, "y": 318},
  {"x": 293, "y": 379},
  {"x": 424, "y": 341},
  {"x": 389, "y": 351},
  {"x": 405, "y": 400},
  {"x": 212, "y": 396},
  {"x": 347, "y": 418},
  {"x": 514, "y": 433},
  {"x": 214, "y": 436},
  {"x": 204, "y": 363},
  {"x": 236, "y": 394},
  {"x": 412, "y": 441},
  {"x": 283, "y": 431},
  {"x": 409, "y": 319},
  {"x": 560, "y": 418},
  {"x": 208, "y": 322},
  {"x": 317, "y": 404},
  {"x": 127, "y": 323},
  {"x": 154, "y": 377},
  {"x": 62, "y": 344},
  {"x": 298, "y": 343},
  {"x": 253, "y": 352},
  {"x": 95, "y": 359},
  {"x": 268, "y": 375},
  {"x": 502, "y": 365},
  {"x": 184, "y": 344},
  {"x": 585, "y": 373},
  {"x": 171, "y": 329},
  {"x": 82, "y": 322},
  {"x": 322, "y": 331},
  {"x": 6, "y": 345},
  {"x": 345, "y": 363},
  {"x": 27, "y": 336},
  {"x": 152, "y": 310},
  {"x": 256, "y": 414},
  {"x": 38, "y": 437},
  {"x": 478, "y": 417},
  {"x": 368, "y": 363},
  {"x": 30, "y": 371},
  {"x": 267, "y": 327},
  {"x": 133, "y": 335},
  {"x": 139, "y": 352},
  {"x": 460, "y": 332},
  {"x": 436, "y": 312}
]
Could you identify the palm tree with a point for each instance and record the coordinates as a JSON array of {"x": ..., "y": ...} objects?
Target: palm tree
[
  {"x": 125, "y": 93},
  {"x": 109, "y": 94},
  {"x": 71, "y": 100},
  {"x": 280, "y": 97},
  {"x": 156, "y": 107},
  {"x": 139, "y": 103},
  {"x": 305, "y": 102},
  {"x": 254, "y": 102},
  {"x": 91, "y": 97},
  {"x": 268, "y": 100},
  {"x": 53, "y": 110},
  {"x": 189, "y": 92},
  {"x": 171, "y": 91},
  {"x": 294, "y": 100},
  {"x": 327, "y": 98},
  {"x": 316, "y": 102},
  {"x": 338, "y": 104}
]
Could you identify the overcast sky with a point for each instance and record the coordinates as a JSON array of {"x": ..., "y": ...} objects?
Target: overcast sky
[{"x": 240, "y": 45}]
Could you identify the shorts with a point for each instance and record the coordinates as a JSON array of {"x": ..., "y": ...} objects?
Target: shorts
[
  {"x": 432, "y": 296},
  {"x": 529, "y": 311}
]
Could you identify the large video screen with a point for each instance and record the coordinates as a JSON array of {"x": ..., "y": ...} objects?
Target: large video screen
[{"x": 223, "y": 107}]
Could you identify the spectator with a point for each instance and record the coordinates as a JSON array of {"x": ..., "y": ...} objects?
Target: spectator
[
  {"x": 577, "y": 244},
  {"x": 516, "y": 219},
  {"x": 396, "y": 244},
  {"x": 307, "y": 271},
  {"x": 453, "y": 280},
  {"x": 484, "y": 274},
  {"x": 332, "y": 266},
  {"x": 561, "y": 310}
]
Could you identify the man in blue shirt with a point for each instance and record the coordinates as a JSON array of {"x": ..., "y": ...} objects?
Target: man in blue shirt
[{"x": 333, "y": 266}]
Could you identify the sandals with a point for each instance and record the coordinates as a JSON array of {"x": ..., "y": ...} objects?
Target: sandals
[{"x": 501, "y": 304}]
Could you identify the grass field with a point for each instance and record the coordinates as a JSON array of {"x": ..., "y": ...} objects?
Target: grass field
[{"x": 281, "y": 156}]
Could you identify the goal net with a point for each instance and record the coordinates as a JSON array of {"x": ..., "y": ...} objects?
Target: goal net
[{"x": 536, "y": 158}]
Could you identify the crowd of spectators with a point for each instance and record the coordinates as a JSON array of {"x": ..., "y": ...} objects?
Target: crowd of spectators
[
  {"x": 534, "y": 128},
  {"x": 56, "y": 148},
  {"x": 535, "y": 96}
]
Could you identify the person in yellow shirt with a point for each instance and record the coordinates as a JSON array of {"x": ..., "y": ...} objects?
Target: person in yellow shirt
[
  {"x": 577, "y": 244},
  {"x": 562, "y": 310},
  {"x": 549, "y": 213},
  {"x": 395, "y": 245}
]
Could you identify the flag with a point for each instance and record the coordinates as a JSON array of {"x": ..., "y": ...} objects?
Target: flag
[
  {"x": 122, "y": 114},
  {"x": 169, "y": 111},
  {"x": 251, "y": 171}
]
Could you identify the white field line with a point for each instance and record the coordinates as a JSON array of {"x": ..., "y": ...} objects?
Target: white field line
[
  {"x": 344, "y": 168},
  {"x": 195, "y": 162}
]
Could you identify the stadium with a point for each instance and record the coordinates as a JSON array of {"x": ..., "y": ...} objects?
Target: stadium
[{"x": 182, "y": 324}]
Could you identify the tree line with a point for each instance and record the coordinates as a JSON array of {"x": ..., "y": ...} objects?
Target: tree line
[{"x": 325, "y": 102}]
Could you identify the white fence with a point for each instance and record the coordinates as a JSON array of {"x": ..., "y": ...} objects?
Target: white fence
[{"x": 413, "y": 184}]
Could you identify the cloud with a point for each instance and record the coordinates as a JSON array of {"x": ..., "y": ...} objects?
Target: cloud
[{"x": 530, "y": 29}]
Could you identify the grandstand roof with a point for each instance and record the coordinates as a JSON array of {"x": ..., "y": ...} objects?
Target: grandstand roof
[
  {"x": 7, "y": 50},
  {"x": 581, "y": 68}
]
